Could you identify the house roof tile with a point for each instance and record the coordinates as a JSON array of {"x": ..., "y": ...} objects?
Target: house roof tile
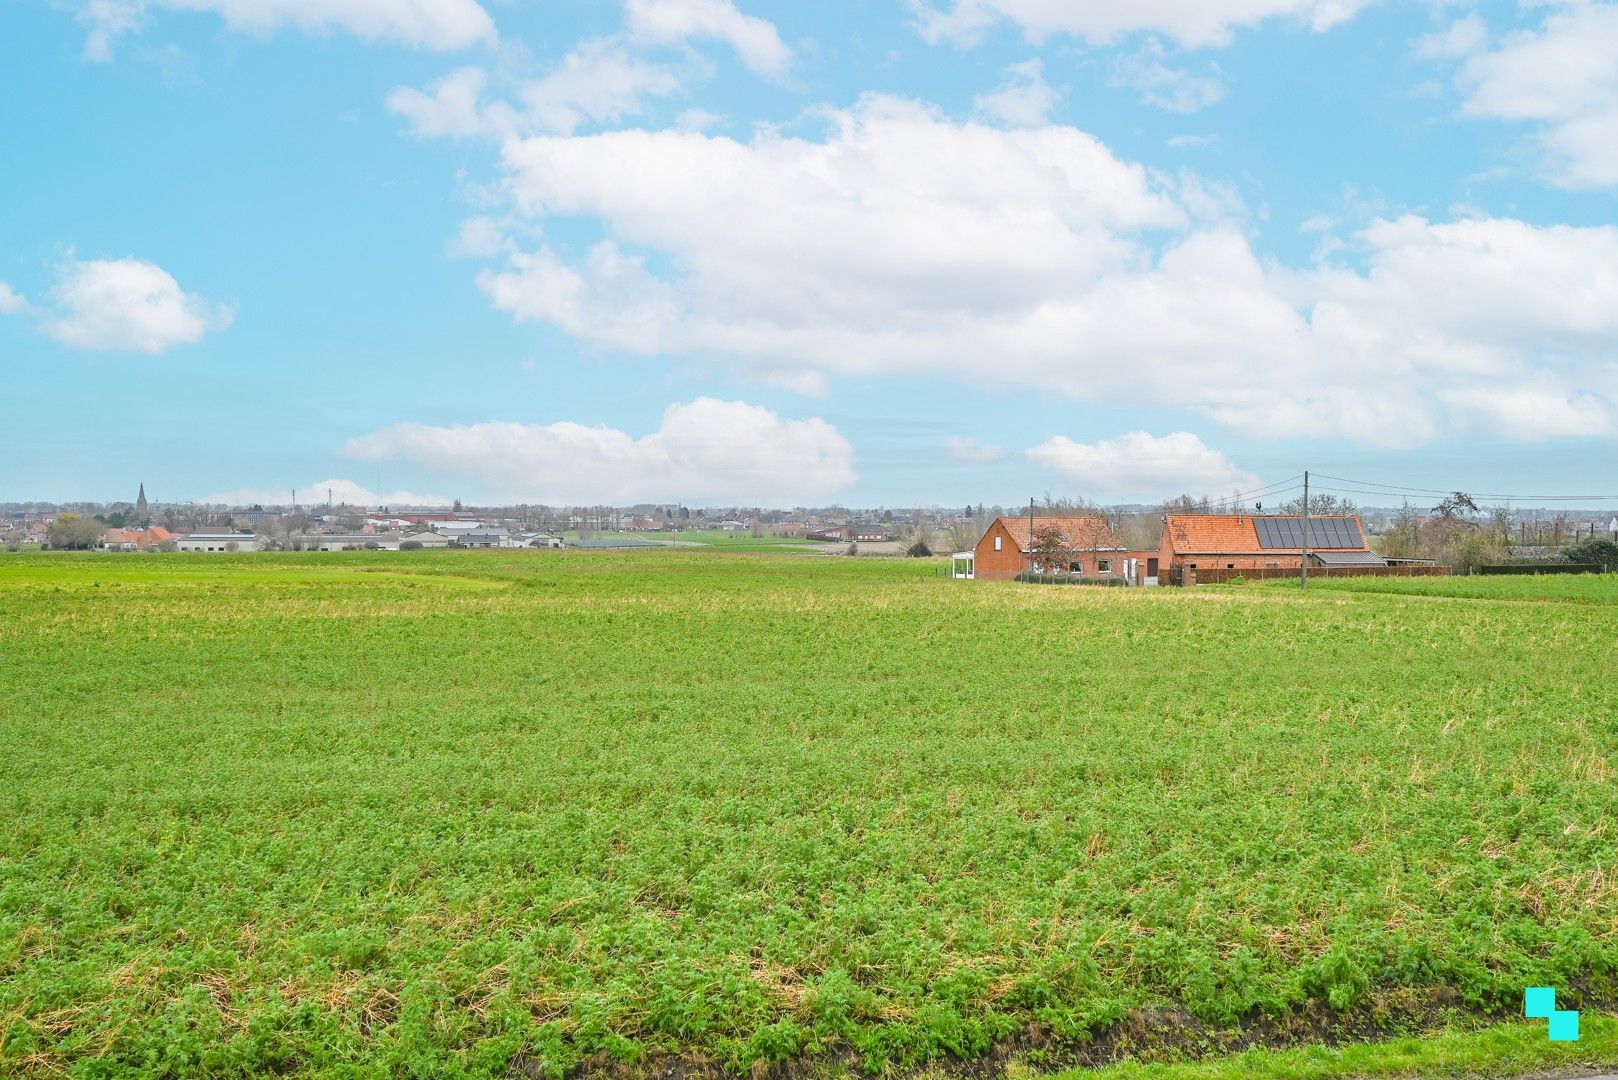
[
  {"x": 1234, "y": 534},
  {"x": 1083, "y": 531}
]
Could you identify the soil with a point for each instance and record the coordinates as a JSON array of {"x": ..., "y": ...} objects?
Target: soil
[{"x": 1145, "y": 1035}]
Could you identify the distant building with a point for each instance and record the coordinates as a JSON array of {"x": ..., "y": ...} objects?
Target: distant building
[
  {"x": 135, "y": 539},
  {"x": 426, "y": 539},
  {"x": 536, "y": 540},
  {"x": 373, "y": 541},
  {"x": 872, "y": 534},
  {"x": 483, "y": 537},
  {"x": 221, "y": 542}
]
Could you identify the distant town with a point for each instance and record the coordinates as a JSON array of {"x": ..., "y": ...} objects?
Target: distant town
[{"x": 1126, "y": 544}]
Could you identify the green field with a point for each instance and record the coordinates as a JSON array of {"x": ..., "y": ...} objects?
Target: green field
[{"x": 527, "y": 813}]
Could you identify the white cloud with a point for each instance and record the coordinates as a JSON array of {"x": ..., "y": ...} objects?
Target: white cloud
[
  {"x": 1531, "y": 412},
  {"x": 901, "y": 242},
  {"x": 1192, "y": 23},
  {"x": 480, "y": 238},
  {"x": 704, "y": 451},
  {"x": 1173, "y": 88},
  {"x": 11, "y": 301},
  {"x": 1562, "y": 77},
  {"x": 1143, "y": 466},
  {"x": 315, "y": 495},
  {"x": 453, "y": 107},
  {"x": 671, "y": 22},
  {"x": 1024, "y": 99},
  {"x": 128, "y": 305},
  {"x": 1463, "y": 37},
  {"x": 972, "y": 452},
  {"x": 598, "y": 81},
  {"x": 422, "y": 24}
]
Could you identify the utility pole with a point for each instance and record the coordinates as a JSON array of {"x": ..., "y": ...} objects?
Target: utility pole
[
  {"x": 1030, "y": 537},
  {"x": 1305, "y": 566}
]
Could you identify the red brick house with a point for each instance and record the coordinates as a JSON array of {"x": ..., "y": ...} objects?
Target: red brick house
[
  {"x": 1263, "y": 541},
  {"x": 1093, "y": 549},
  {"x": 135, "y": 539}
]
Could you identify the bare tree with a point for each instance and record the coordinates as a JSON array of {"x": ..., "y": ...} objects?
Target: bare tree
[
  {"x": 1320, "y": 506},
  {"x": 1457, "y": 506},
  {"x": 1188, "y": 504},
  {"x": 1051, "y": 549},
  {"x": 964, "y": 534}
]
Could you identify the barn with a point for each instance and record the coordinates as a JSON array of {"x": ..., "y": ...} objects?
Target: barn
[{"x": 1263, "y": 541}]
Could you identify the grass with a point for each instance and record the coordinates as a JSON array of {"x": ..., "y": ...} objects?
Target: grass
[
  {"x": 1505, "y": 1050},
  {"x": 437, "y": 813},
  {"x": 730, "y": 541}
]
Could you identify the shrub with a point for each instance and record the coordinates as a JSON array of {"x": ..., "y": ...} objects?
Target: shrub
[
  {"x": 919, "y": 550},
  {"x": 1030, "y": 578},
  {"x": 1602, "y": 553},
  {"x": 410, "y": 545}
]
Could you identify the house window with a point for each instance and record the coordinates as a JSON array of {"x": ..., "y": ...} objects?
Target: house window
[
  {"x": 1193, "y": 566},
  {"x": 997, "y": 543},
  {"x": 1275, "y": 566},
  {"x": 1104, "y": 566},
  {"x": 1075, "y": 568},
  {"x": 1230, "y": 566}
]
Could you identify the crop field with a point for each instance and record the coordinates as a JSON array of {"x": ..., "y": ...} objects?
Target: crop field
[{"x": 547, "y": 813}]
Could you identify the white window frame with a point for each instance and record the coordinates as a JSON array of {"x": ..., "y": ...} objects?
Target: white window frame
[{"x": 997, "y": 541}]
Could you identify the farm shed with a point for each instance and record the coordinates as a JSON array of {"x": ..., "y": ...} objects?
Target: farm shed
[
  {"x": 1263, "y": 541},
  {"x": 217, "y": 542}
]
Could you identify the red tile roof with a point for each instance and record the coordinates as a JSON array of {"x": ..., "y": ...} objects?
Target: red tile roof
[
  {"x": 1233, "y": 534},
  {"x": 1080, "y": 531}
]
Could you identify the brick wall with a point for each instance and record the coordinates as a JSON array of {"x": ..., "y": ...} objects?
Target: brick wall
[
  {"x": 1002, "y": 565},
  {"x": 1213, "y": 576}
]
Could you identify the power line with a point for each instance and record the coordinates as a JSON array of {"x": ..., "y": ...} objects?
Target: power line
[
  {"x": 1365, "y": 487},
  {"x": 1287, "y": 484}
]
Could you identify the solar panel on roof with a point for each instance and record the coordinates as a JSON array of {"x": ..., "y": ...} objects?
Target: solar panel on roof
[{"x": 1324, "y": 532}]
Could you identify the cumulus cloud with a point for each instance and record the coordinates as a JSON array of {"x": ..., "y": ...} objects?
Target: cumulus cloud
[
  {"x": 972, "y": 452},
  {"x": 598, "y": 81},
  {"x": 704, "y": 451},
  {"x": 755, "y": 41},
  {"x": 1463, "y": 37},
  {"x": 1142, "y": 466},
  {"x": 128, "y": 305},
  {"x": 1531, "y": 412},
  {"x": 1025, "y": 99},
  {"x": 11, "y": 301},
  {"x": 1165, "y": 86},
  {"x": 421, "y": 24},
  {"x": 316, "y": 494},
  {"x": 1562, "y": 77},
  {"x": 899, "y": 241},
  {"x": 1192, "y": 23}
]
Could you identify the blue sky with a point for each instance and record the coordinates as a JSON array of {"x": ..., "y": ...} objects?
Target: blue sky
[{"x": 873, "y": 253}]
